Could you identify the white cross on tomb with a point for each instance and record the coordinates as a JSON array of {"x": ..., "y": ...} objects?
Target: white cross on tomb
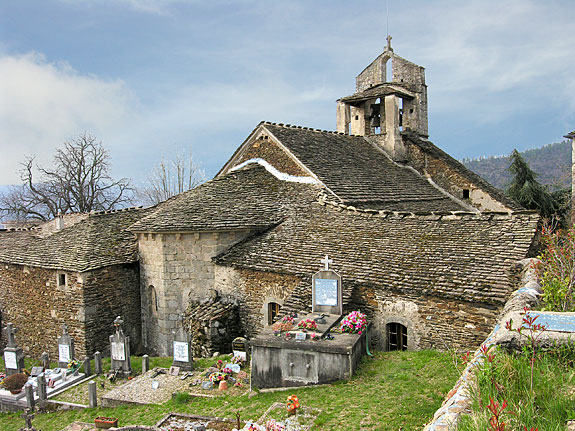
[{"x": 326, "y": 261}]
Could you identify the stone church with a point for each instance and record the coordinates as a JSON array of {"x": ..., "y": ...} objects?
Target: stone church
[{"x": 425, "y": 247}]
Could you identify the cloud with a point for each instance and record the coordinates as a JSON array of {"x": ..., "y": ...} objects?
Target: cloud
[{"x": 43, "y": 104}]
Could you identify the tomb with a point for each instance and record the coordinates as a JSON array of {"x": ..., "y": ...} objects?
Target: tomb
[
  {"x": 182, "y": 349},
  {"x": 312, "y": 352},
  {"x": 120, "y": 363}
]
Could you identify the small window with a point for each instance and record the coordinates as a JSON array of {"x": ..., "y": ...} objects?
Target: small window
[
  {"x": 153, "y": 299},
  {"x": 465, "y": 193},
  {"x": 396, "y": 337},
  {"x": 357, "y": 117},
  {"x": 273, "y": 312},
  {"x": 61, "y": 279}
]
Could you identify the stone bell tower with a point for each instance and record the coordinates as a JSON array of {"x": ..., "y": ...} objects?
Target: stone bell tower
[{"x": 385, "y": 104}]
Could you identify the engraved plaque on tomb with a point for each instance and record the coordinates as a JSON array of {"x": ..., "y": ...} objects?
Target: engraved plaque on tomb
[
  {"x": 241, "y": 348},
  {"x": 181, "y": 351},
  {"x": 63, "y": 353},
  {"x": 118, "y": 351},
  {"x": 327, "y": 290},
  {"x": 10, "y": 360}
]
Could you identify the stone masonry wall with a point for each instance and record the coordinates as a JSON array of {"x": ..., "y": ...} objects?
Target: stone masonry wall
[
  {"x": 31, "y": 299},
  {"x": 109, "y": 292},
  {"x": 254, "y": 290},
  {"x": 432, "y": 323},
  {"x": 264, "y": 148},
  {"x": 176, "y": 268},
  {"x": 450, "y": 180}
]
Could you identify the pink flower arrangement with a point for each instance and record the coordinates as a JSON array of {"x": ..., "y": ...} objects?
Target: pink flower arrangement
[
  {"x": 307, "y": 324},
  {"x": 354, "y": 323},
  {"x": 314, "y": 336}
]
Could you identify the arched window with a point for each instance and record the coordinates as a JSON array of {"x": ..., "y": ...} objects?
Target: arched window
[
  {"x": 396, "y": 336},
  {"x": 273, "y": 311},
  {"x": 153, "y": 300}
]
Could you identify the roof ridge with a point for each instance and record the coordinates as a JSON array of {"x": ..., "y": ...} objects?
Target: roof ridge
[
  {"x": 322, "y": 199},
  {"x": 310, "y": 129},
  {"x": 104, "y": 212}
]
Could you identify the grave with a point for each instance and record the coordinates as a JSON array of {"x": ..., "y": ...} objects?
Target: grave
[
  {"x": 182, "y": 349},
  {"x": 310, "y": 356},
  {"x": 120, "y": 363},
  {"x": 65, "y": 348},
  {"x": 13, "y": 355}
]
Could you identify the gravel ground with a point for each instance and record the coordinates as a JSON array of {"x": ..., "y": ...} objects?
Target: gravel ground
[{"x": 139, "y": 390}]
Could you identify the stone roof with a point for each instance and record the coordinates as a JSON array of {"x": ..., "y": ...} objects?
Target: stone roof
[
  {"x": 462, "y": 256},
  {"x": 249, "y": 198},
  {"x": 379, "y": 91},
  {"x": 99, "y": 240},
  {"x": 360, "y": 173},
  {"x": 436, "y": 152}
]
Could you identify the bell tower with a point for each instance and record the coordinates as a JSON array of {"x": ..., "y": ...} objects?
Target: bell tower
[{"x": 386, "y": 104}]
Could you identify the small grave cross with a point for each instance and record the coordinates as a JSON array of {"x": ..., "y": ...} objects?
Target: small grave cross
[
  {"x": 27, "y": 416},
  {"x": 64, "y": 329},
  {"x": 10, "y": 332},
  {"x": 326, "y": 261},
  {"x": 118, "y": 323}
]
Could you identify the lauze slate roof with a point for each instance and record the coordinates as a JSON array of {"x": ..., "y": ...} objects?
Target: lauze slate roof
[
  {"x": 466, "y": 257},
  {"x": 100, "y": 240},
  {"x": 359, "y": 173},
  {"x": 249, "y": 198}
]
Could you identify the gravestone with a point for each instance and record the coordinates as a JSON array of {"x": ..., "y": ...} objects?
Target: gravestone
[
  {"x": 65, "y": 348},
  {"x": 28, "y": 416},
  {"x": 98, "y": 363},
  {"x": 13, "y": 355},
  {"x": 120, "y": 350},
  {"x": 42, "y": 390},
  {"x": 241, "y": 348},
  {"x": 327, "y": 294},
  {"x": 45, "y": 359},
  {"x": 182, "y": 348}
]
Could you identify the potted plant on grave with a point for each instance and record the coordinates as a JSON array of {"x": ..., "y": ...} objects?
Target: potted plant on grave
[
  {"x": 104, "y": 422},
  {"x": 15, "y": 382},
  {"x": 307, "y": 324}
]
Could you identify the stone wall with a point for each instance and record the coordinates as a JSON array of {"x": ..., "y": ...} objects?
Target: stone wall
[
  {"x": 265, "y": 148},
  {"x": 254, "y": 290},
  {"x": 109, "y": 292},
  {"x": 449, "y": 179},
  {"x": 432, "y": 323},
  {"x": 176, "y": 268},
  {"x": 32, "y": 299}
]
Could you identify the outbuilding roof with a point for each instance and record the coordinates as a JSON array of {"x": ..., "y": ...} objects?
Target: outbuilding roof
[{"x": 99, "y": 240}]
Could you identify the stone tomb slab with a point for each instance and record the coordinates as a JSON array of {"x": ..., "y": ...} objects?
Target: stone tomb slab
[
  {"x": 277, "y": 362},
  {"x": 15, "y": 402}
]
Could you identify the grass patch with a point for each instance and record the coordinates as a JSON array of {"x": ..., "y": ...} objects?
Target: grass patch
[
  {"x": 548, "y": 407},
  {"x": 392, "y": 390}
]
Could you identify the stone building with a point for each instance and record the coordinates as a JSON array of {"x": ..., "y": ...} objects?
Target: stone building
[
  {"x": 79, "y": 269},
  {"x": 427, "y": 248}
]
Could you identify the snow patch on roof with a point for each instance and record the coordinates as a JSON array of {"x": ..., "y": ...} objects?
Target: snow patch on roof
[{"x": 279, "y": 175}]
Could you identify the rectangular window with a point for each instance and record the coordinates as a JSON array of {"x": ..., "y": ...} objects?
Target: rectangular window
[
  {"x": 273, "y": 311},
  {"x": 465, "y": 193},
  {"x": 61, "y": 279}
]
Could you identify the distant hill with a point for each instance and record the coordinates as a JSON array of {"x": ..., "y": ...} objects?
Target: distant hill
[{"x": 552, "y": 163}]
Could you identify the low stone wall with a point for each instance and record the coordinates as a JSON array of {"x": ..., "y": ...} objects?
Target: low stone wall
[{"x": 458, "y": 399}]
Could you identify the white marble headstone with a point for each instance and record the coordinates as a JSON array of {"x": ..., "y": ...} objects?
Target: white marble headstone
[
  {"x": 10, "y": 360},
  {"x": 63, "y": 353},
  {"x": 181, "y": 351},
  {"x": 118, "y": 351}
]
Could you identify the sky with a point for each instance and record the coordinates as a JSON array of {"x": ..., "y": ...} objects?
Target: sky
[{"x": 152, "y": 79}]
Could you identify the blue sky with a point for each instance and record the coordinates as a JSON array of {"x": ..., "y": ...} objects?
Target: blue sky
[{"x": 155, "y": 78}]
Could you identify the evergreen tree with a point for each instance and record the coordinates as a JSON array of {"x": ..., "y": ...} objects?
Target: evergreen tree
[{"x": 525, "y": 189}]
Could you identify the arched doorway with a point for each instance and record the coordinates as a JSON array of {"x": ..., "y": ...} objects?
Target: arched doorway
[
  {"x": 396, "y": 336},
  {"x": 273, "y": 311}
]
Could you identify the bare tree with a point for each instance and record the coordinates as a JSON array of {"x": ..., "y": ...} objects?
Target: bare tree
[
  {"x": 77, "y": 181},
  {"x": 170, "y": 178}
]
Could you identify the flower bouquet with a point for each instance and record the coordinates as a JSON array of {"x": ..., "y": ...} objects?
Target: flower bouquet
[
  {"x": 354, "y": 323},
  {"x": 307, "y": 324},
  {"x": 285, "y": 324},
  {"x": 218, "y": 376},
  {"x": 292, "y": 404}
]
